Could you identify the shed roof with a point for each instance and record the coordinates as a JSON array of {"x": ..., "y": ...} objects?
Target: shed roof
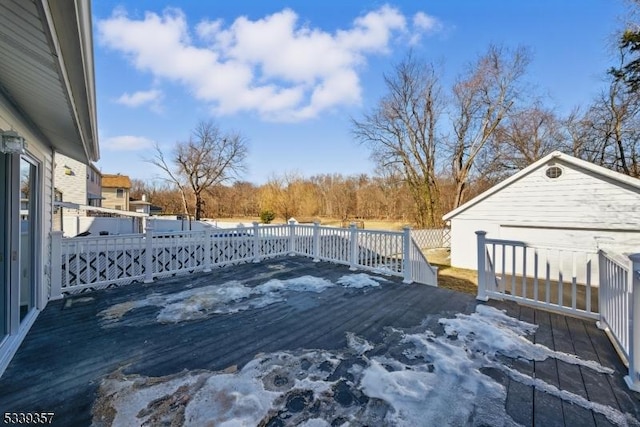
[
  {"x": 115, "y": 181},
  {"x": 556, "y": 155}
]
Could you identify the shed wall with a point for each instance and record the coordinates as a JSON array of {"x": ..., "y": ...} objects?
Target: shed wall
[{"x": 580, "y": 209}]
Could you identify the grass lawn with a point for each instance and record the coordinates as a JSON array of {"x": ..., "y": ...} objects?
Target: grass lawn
[
  {"x": 368, "y": 224},
  {"x": 457, "y": 279}
]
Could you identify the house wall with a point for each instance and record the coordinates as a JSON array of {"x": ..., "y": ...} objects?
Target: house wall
[
  {"x": 70, "y": 178},
  {"x": 43, "y": 155},
  {"x": 110, "y": 199},
  {"x": 580, "y": 209},
  {"x": 94, "y": 185}
]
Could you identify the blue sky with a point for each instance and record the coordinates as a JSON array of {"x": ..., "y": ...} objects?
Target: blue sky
[{"x": 289, "y": 75}]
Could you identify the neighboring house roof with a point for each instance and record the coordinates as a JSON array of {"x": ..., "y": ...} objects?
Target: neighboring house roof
[
  {"x": 116, "y": 181},
  {"x": 47, "y": 72},
  {"x": 139, "y": 202},
  {"x": 556, "y": 155}
]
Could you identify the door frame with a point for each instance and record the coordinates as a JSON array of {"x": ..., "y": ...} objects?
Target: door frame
[{"x": 16, "y": 329}]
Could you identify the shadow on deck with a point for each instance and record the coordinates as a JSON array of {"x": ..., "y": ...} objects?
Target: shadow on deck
[{"x": 86, "y": 352}]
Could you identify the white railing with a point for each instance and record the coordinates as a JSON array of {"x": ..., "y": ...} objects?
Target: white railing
[
  {"x": 88, "y": 262},
  {"x": 560, "y": 279},
  {"x": 620, "y": 309},
  {"x": 419, "y": 268},
  {"x": 82, "y": 263},
  {"x": 544, "y": 277}
]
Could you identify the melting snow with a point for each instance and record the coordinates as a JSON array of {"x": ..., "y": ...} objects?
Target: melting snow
[
  {"x": 361, "y": 280},
  {"x": 230, "y": 297},
  {"x": 429, "y": 377}
]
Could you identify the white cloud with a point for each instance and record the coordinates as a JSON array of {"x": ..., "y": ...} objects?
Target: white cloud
[
  {"x": 126, "y": 143},
  {"x": 275, "y": 66},
  {"x": 426, "y": 23},
  {"x": 423, "y": 24},
  {"x": 137, "y": 99}
]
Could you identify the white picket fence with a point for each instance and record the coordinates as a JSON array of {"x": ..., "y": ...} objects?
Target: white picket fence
[
  {"x": 563, "y": 280},
  {"x": 93, "y": 262}
]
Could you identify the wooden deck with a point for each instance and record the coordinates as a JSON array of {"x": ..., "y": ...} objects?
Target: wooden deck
[{"x": 69, "y": 351}]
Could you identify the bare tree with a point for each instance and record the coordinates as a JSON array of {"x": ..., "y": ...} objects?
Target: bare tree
[
  {"x": 209, "y": 158},
  {"x": 527, "y": 135},
  {"x": 608, "y": 133},
  {"x": 402, "y": 132},
  {"x": 482, "y": 99},
  {"x": 172, "y": 176}
]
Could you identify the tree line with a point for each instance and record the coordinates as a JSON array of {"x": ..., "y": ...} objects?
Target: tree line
[
  {"x": 337, "y": 196},
  {"x": 435, "y": 145}
]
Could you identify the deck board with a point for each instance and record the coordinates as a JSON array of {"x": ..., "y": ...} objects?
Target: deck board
[
  {"x": 547, "y": 408},
  {"x": 68, "y": 352}
]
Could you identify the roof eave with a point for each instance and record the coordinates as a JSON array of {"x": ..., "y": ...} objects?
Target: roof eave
[{"x": 71, "y": 35}]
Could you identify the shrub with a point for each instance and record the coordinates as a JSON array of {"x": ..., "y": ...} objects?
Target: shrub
[{"x": 267, "y": 216}]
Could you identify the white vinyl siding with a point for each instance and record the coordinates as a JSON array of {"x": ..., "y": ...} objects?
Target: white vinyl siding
[
  {"x": 577, "y": 199},
  {"x": 580, "y": 209},
  {"x": 10, "y": 119}
]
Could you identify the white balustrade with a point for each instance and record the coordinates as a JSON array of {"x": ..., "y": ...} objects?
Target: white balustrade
[
  {"x": 96, "y": 262},
  {"x": 562, "y": 279}
]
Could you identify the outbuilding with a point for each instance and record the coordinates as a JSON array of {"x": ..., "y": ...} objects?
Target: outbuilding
[{"x": 559, "y": 201}]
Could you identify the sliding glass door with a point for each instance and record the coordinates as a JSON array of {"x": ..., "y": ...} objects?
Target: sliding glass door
[
  {"x": 28, "y": 234},
  {"x": 4, "y": 245},
  {"x": 20, "y": 229}
]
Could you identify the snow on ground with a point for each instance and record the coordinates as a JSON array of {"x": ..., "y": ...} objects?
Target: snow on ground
[
  {"x": 432, "y": 380},
  {"x": 230, "y": 297}
]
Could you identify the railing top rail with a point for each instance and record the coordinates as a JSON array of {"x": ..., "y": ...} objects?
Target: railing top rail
[
  {"x": 175, "y": 233},
  {"x": 360, "y": 230},
  {"x": 383, "y": 232},
  {"x": 616, "y": 258},
  {"x": 104, "y": 237},
  {"x": 505, "y": 242}
]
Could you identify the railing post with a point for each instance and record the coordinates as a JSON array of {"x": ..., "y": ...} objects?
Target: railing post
[
  {"x": 353, "y": 247},
  {"x": 292, "y": 238},
  {"x": 406, "y": 255},
  {"x": 206, "y": 241},
  {"x": 148, "y": 255},
  {"x": 482, "y": 273},
  {"x": 56, "y": 265},
  {"x": 633, "y": 379},
  {"x": 602, "y": 281},
  {"x": 316, "y": 241},
  {"x": 256, "y": 242}
]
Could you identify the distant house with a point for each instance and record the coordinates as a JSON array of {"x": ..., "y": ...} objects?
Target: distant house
[
  {"x": 47, "y": 106},
  {"x": 77, "y": 182},
  {"x": 115, "y": 191},
  {"x": 140, "y": 206},
  {"x": 558, "y": 201}
]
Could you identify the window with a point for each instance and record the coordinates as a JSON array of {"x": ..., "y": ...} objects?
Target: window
[
  {"x": 553, "y": 172},
  {"x": 119, "y": 193}
]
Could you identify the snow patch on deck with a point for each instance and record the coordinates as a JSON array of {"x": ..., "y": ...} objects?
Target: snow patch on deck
[
  {"x": 430, "y": 380},
  {"x": 230, "y": 297}
]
